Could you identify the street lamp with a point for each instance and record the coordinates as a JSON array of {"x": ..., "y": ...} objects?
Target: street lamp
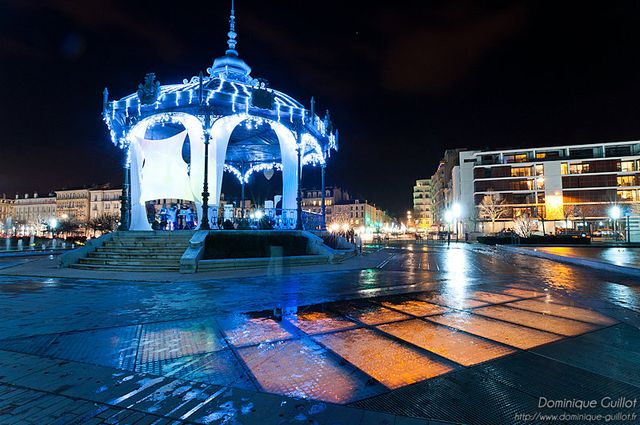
[
  {"x": 456, "y": 210},
  {"x": 615, "y": 213},
  {"x": 448, "y": 217},
  {"x": 53, "y": 223}
]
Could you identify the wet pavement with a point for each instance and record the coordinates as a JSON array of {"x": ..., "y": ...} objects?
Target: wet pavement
[
  {"x": 460, "y": 334},
  {"x": 620, "y": 256}
]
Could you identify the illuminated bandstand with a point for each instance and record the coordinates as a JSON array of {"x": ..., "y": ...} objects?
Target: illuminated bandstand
[{"x": 178, "y": 140}]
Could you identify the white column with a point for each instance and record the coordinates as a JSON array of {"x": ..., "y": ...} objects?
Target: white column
[
  {"x": 288, "y": 152},
  {"x": 138, "y": 211}
]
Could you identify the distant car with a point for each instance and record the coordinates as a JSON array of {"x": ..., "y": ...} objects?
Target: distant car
[{"x": 571, "y": 232}]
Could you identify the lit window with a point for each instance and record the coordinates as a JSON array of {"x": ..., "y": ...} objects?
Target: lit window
[
  {"x": 626, "y": 166},
  {"x": 578, "y": 168},
  {"x": 520, "y": 171},
  {"x": 626, "y": 180},
  {"x": 628, "y": 195}
]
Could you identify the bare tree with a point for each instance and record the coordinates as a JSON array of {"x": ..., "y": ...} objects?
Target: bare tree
[
  {"x": 68, "y": 227},
  {"x": 523, "y": 226},
  {"x": 492, "y": 208},
  {"x": 104, "y": 223}
]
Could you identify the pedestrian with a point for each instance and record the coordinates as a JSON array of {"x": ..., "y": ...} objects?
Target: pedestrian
[
  {"x": 164, "y": 216},
  {"x": 448, "y": 238}
]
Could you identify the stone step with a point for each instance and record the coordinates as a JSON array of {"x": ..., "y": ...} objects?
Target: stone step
[
  {"x": 158, "y": 250},
  {"x": 134, "y": 248},
  {"x": 151, "y": 237},
  {"x": 121, "y": 268},
  {"x": 130, "y": 262},
  {"x": 138, "y": 240},
  {"x": 147, "y": 243},
  {"x": 165, "y": 236},
  {"x": 265, "y": 262},
  {"x": 133, "y": 254}
]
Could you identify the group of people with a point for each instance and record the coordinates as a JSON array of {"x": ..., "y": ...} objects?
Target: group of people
[{"x": 176, "y": 217}]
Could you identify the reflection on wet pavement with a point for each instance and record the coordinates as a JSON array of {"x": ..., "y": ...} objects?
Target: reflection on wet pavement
[
  {"x": 170, "y": 340},
  {"x": 242, "y": 331},
  {"x": 370, "y": 314},
  {"x": 432, "y": 313},
  {"x": 450, "y": 343},
  {"x": 313, "y": 322},
  {"x": 450, "y": 300},
  {"x": 415, "y": 308},
  {"x": 507, "y": 333},
  {"x": 561, "y": 310},
  {"x": 557, "y": 325},
  {"x": 304, "y": 369},
  {"x": 338, "y": 352},
  {"x": 490, "y": 297},
  {"x": 389, "y": 362}
]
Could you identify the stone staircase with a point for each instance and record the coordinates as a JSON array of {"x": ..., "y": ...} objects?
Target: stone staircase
[{"x": 140, "y": 251}]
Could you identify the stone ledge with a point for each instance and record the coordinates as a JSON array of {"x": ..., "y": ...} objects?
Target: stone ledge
[
  {"x": 584, "y": 262},
  {"x": 266, "y": 262}
]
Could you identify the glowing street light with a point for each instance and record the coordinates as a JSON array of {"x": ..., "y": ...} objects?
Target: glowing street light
[
  {"x": 615, "y": 213},
  {"x": 456, "y": 209},
  {"x": 448, "y": 216}
]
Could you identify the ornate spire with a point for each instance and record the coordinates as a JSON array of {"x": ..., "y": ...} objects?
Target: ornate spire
[
  {"x": 230, "y": 66},
  {"x": 232, "y": 31}
]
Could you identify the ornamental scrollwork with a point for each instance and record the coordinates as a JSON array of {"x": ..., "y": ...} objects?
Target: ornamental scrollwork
[{"x": 149, "y": 91}]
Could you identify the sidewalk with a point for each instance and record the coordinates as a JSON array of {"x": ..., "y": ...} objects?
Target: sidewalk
[
  {"x": 48, "y": 267},
  {"x": 576, "y": 257}
]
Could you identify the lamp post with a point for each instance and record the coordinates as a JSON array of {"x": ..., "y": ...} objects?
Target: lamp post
[
  {"x": 299, "y": 191},
  {"x": 323, "y": 223},
  {"x": 124, "y": 197},
  {"x": 448, "y": 217},
  {"x": 615, "y": 212},
  {"x": 456, "y": 211},
  {"x": 242, "y": 200},
  {"x": 205, "y": 185}
]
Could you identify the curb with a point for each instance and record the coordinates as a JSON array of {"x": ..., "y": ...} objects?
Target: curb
[{"x": 583, "y": 262}]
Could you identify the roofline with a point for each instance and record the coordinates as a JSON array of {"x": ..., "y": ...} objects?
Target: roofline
[{"x": 486, "y": 152}]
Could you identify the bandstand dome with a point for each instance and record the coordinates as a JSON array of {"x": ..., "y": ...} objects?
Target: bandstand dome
[{"x": 179, "y": 139}]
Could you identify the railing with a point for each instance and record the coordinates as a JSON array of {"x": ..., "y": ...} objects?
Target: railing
[{"x": 270, "y": 218}]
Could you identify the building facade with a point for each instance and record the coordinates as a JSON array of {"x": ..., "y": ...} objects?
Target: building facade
[
  {"x": 73, "y": 205},
  {"x": 103, "y": 202},
  {"x": 356, "y": 214},
  {"x": 560, "y": 187},
  {"x": 422, "y": 204},
  {"x": 6, "y": 213},
  {"x": 32, "y": 214},
  {"x": 442, "y": 193},
  {"x": 312, "y": 200}
]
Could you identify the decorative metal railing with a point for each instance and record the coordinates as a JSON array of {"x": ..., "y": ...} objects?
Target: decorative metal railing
[{"x": 270, "y": 218}]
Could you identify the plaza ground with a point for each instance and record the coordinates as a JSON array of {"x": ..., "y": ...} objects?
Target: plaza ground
[{"x": 409, "y": 334}]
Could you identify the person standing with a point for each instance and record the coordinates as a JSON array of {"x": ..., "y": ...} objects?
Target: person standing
[
  {"x": 173, "y": 213},
  {"x": 164, "y": 216}
]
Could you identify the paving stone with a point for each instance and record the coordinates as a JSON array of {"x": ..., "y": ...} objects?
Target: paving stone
[{"x": 604, "y": 352}]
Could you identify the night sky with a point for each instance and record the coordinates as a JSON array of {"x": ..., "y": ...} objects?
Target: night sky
[{"x": 403, "y": 80}]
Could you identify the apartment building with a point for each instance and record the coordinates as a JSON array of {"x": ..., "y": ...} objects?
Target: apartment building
[
  {"x": 6, "y": 211},
  {"x": 312, "y": 200},
  {"x": 104, "y": 201},
  {"x": 73, "y": 204},
  {"x": 442, "y": 186},
  {"x": 31, "y": 214},
  {"x": 356, "y": 213},
  {"x": 571, "y": 186},
  {"x": 422, "y": 204}
]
